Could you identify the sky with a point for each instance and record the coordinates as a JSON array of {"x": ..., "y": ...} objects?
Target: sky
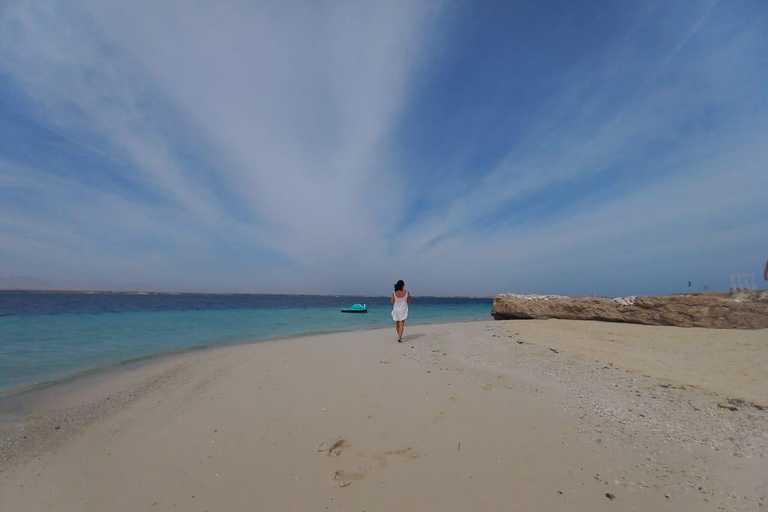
[{"x": 467, "y": 147}]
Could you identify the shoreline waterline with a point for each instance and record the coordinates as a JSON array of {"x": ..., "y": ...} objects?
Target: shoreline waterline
[
  {"x": 49, "y": 336},
  {"x": 18, "y": 401},
  {"x": 267, "y": 423}
]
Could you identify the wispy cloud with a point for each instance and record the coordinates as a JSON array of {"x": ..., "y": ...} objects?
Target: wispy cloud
[{"x": 258, "y": 147}]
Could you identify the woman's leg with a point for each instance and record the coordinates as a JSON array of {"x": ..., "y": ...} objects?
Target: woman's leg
[{"x": 400, "y": 326}]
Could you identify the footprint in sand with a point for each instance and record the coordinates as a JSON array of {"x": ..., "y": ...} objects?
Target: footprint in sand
[
  {"x": 454, "y": 399},
  {"x": 371, "y": 417},
  {"x": 488, "y": 387},
  {"x": 440, "y": 417},
  {"x": 343, "y": 478},
  {"x": 406, "y": 453},
  {"x": 335, "y": 449}
]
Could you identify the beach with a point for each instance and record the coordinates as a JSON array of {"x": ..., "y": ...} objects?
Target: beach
[{"x": 490, "y": 415}]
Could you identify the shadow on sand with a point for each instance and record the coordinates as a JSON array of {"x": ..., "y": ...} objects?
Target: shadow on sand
[{"x": 411, "y": 337}]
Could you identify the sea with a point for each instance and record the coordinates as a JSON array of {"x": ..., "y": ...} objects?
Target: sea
[{"x": 50, "y": 336}]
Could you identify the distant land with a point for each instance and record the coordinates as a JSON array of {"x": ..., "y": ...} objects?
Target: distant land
[{"x": 155, "y": 292}]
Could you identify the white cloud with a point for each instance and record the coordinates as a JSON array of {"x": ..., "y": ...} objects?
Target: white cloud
[
  {"x": 269, "y": 129},
  {"x": 299, "y": 99}
]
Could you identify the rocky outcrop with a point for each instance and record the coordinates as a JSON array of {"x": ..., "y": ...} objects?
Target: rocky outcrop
[{"x": 718, "y": 310}]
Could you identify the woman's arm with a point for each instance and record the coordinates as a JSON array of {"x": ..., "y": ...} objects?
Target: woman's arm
[
  {"x": 392, "y": 298},
  {"x": 409, "y": 298}
]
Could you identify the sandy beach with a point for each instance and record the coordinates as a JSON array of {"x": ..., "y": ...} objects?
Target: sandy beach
[{"x": 505, "y": 415}]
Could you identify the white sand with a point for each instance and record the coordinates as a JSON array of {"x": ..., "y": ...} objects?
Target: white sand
[
  {"x": 459, "y": 417},
  {"x": 733, "y": 363}
]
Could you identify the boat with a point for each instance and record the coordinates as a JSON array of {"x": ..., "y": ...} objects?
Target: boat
[{"x": 356, "y": 308}]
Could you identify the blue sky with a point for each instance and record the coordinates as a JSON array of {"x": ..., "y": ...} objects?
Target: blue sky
[{"x": 469, "y": 148}]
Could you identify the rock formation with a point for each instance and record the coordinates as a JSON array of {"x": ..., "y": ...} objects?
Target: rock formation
[{"x": 719, "y": 310}]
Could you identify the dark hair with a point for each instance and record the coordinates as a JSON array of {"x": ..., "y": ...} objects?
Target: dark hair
[{"x": 399, "y": 285}]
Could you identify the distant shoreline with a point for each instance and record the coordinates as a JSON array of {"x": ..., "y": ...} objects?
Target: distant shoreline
[{"x": 154, "y": 292}]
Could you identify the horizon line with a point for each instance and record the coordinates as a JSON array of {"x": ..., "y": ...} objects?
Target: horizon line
[{"x": 157, "y": 292}]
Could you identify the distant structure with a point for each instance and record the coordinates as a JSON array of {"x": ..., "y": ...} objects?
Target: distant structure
[{"x": 742, "y": 281}]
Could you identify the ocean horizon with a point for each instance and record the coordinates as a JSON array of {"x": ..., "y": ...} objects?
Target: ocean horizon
[
  {"x": 106, "y": 291},
  {"x": 47, "y": 336}
]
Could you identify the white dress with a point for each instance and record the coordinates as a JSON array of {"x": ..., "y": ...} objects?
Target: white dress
[{"x": 400, "y": 308}]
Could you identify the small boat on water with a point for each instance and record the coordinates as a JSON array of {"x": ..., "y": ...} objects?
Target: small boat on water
[{"x": 356, "y": 308}]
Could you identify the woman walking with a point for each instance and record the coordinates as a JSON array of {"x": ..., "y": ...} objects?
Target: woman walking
[{"x": 400, "y": 299}]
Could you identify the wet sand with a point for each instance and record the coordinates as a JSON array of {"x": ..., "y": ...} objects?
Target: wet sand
[{"x": 525, "y": 415}]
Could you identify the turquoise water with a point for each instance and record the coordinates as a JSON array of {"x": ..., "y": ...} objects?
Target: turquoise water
[{"x": 48, "y": 337}]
